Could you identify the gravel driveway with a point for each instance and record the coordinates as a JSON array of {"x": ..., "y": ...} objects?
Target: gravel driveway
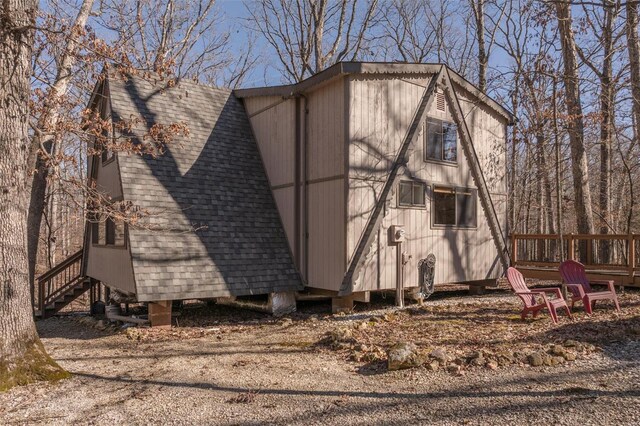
[{"x": 269, "y": 373}]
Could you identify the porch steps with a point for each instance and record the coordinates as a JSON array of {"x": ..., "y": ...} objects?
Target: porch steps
[{"x": 60, "y": 286}]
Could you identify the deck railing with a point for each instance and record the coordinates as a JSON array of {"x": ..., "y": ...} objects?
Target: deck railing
[
  {"x": 58, "y": 280},
  {"x": 619, "y": 253}
]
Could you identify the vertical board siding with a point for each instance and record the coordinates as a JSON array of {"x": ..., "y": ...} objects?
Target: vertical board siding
[
  {"x": 381, "y": 109},
  {"x": 112, "y": 266},
  {"x": 326, "y": 234},
  {"x": 274, "y": 127},
  {"x": 326, "y": 131},
  {"x": 381, "y": 112},
  {"x": 325, "y": 185},
  {"x": 284, "y": 198}
]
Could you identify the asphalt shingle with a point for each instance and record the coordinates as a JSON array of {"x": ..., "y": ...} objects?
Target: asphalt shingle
[{"x": 215, "y": 227}]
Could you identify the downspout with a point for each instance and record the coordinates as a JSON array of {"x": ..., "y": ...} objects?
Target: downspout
[
  {"x": 305, "y": 144},
  {"x": 296, "y": 187},
  {"x": 301, "y": 174}
]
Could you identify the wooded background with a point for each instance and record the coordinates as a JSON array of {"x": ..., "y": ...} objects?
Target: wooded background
[{"x": 570, "y": 72}]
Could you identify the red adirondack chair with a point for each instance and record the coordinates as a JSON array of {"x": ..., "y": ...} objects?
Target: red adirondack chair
[
  {"x": 528, "y": 296},
  {"x": 575, "y": 277}
]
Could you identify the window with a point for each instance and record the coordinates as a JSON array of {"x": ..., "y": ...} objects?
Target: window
[
  {"x": 95, "y": 229},
  {"x": 114, "y": 232},
  {"x": 441, "y": 141},
  {"x": 107, "y": 232},
  {"x": 107, "y": 153},
  {"x": 411, "y": 194},
  {"x": 454, "y": 207}
]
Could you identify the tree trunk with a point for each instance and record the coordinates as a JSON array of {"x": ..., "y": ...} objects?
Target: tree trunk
[
  {"x": 633, "y": 45},
  {"x": 540, "y": 220},
  {"x": 46, "y": 124},
  {"x": 478, "y": 11},
  {"x": 607, "y": 96},
  {"x": 575, "y": 122},
  {"x": 22, "y": 356},
  {"x": 514, "y": 156}
]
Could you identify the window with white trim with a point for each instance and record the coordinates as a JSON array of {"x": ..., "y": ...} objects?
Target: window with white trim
[
  {"x": 441, "y": 141},
  {"x": 455, "y": 207},
  {"x": 411, "y": 194}
]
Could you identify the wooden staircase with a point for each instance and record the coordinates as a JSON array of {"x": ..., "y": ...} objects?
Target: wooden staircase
[{"x": 60, "y": 286}]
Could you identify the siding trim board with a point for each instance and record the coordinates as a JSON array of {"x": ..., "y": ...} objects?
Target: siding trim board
[
  {"x": 476, "y": 171},
  {"x": 283, "y": 186},
  {"x": 347, "y": 139},
  {"x": 325, "y": 179},
  {"x": 296, "y": 191},
  {"x": 268, "y": 107}
]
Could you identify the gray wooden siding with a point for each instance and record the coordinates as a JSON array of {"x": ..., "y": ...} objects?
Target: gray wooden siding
[
  {"x": 111, "y": 265},
  {"x": 274, "y": 126},
  {"x": 109, "y": 180},
  {"x": 326, "y": 184},
  {"x": 273, "y": 123},
  {"x": 380, "y": 112}
]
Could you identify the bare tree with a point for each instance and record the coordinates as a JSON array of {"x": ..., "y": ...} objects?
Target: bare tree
[
  {"x": 601, "y": 20},
  {"x": 309, "y": 35},
  {"x": 633, "y": 46},
  {"x": 45, "y": 129},
  {"x": 411, "y": 29},
  {"x": 182, "y": 36},
  {"x": 483, "y": 58},
  {"x": 575, "y": 119},
  {"x": 22, "y": 357},
  {"x": 425, "y": 31}
]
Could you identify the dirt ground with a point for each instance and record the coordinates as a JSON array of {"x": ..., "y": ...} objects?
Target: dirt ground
[{"x": 226, "y": 366}]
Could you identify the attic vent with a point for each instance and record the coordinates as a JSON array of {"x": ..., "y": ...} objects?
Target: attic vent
[{"x": 440, "y": 103}]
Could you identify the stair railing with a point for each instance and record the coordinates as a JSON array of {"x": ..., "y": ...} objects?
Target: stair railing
[{"x": 58, "y": 280}]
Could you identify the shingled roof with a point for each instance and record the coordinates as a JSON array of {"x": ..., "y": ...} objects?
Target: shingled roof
[{"x": 214, "y": 229}]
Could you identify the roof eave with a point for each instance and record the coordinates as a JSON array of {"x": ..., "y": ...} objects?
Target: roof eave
[{"x": 345, "y": 68}]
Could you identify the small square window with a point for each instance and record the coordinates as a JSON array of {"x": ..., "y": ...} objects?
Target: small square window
[
  {"x": 411, "y": 194},
  {"x": 441, "y": 141}
]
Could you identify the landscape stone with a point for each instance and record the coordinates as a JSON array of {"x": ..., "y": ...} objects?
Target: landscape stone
[
  {"x": 440, "y": 354},
  {"x": 537, "y": 359},
  {"x": 404, "y": 355}
]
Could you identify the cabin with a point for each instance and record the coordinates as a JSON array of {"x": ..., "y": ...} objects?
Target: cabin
[
  {"x": 361, "y": 152},
  {"x": 355, "y": 180}
]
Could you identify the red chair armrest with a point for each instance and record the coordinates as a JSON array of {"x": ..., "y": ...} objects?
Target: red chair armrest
[
  {"x": 605, "y": 282},
  {"x": 608, "y": 283},
  {"x": 578, "y": 289},
  {"x": 534, "y": 294},
  {"x": 554, "y": 290}
]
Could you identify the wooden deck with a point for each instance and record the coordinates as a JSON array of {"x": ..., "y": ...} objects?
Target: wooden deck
[{"x": 605, "y": 256}]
